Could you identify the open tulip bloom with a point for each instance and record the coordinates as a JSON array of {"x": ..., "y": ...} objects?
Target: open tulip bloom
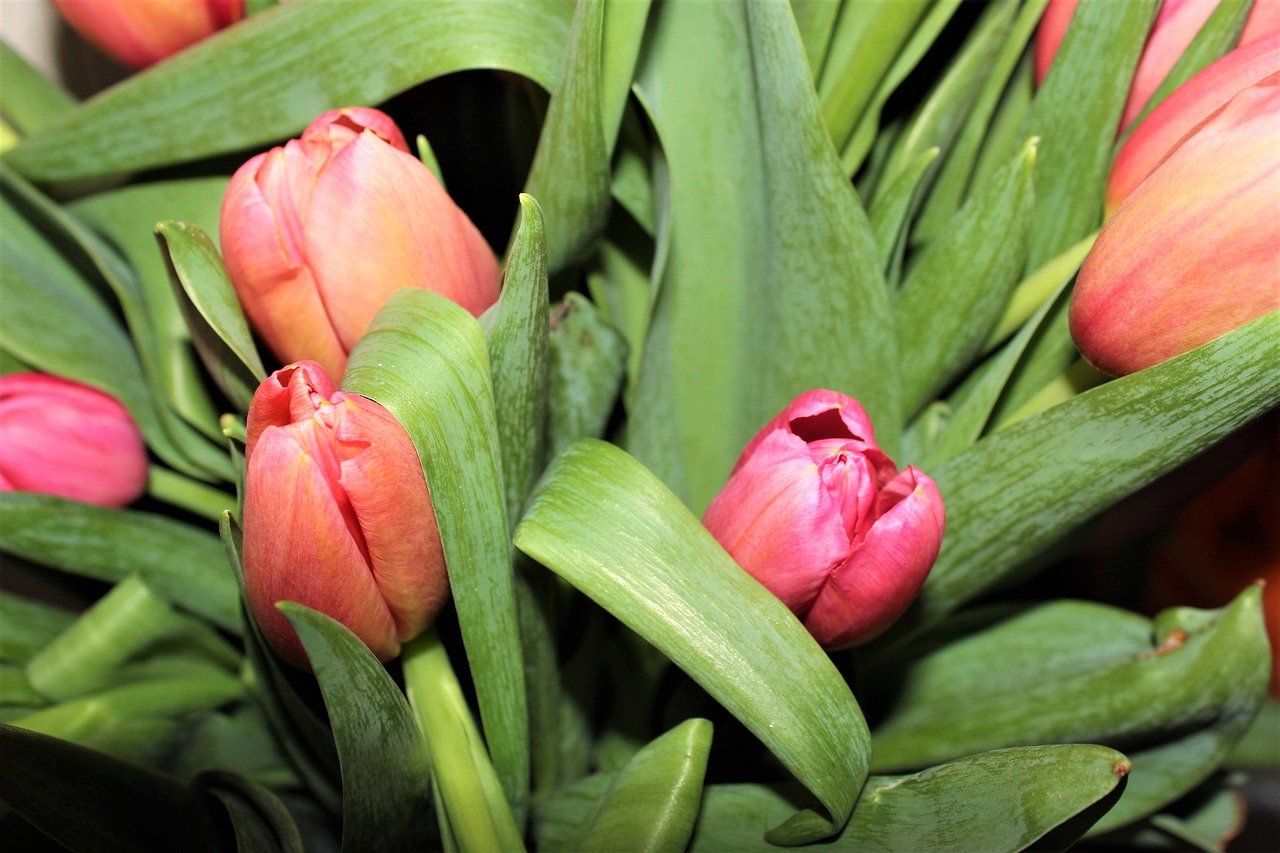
[{"x": 623, "y": 425}]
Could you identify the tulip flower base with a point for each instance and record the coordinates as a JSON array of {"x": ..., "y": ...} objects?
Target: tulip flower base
[{"x": 619, "y": 425}]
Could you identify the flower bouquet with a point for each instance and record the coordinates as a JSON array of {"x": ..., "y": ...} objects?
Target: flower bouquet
[{"x": 705, "y": 425}]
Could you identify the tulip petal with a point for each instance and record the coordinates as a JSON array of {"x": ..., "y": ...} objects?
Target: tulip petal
[
  {"x": 143, "y": 32},
  {"x": 818, "y": 414},
  {"x": 286, "y": 396},
  {"x": 777, "y": 520},
  {"x": 866, "y": 594},
  {"x": 297, "y": 548}
]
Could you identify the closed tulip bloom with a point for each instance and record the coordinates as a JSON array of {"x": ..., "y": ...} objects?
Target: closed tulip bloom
[
  {"x": 1194, "y": 252},
  {"x": 816, "y": 512},
  {"x": 336, "y": 516},
  {"x": 143, "y": 32},
  {"x": 58, "y": 437},
  {"x": 319, "y": 233},
  {"x": 1184, "y": 109}
]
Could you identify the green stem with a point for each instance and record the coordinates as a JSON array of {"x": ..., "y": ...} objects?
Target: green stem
[
  {"x": 192, "y": 495},
  {"x": 477, "y": 812},
  {"x": 1033, "y": 290}
]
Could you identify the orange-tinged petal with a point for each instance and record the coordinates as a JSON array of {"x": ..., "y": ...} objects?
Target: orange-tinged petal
[{"x": 143, "y": 32}]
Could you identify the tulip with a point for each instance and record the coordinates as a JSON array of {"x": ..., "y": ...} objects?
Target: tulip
[
  {"x": 337, "y": 516},
  {"x": 143, "y": 32},
  {"x": 1187, "y": 106},
  {"x": 59, "y": 437},
  {"x": 1194, "y": 252},
  {"x": 318, "y": 233},
  {"x": 1175, "y": 26},
  {"x": 816, "y": 512}
]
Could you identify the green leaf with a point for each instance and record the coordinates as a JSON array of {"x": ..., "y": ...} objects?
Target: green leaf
[
  {"x": 424, "y": 358},
  {"x": 755, "y": 299},
  {"x": 624, "y": 29},
  {"x": 608, "y": 527},
  {"x": 89, "y": 802},
  {"x": 957, "y": 289},
  {"x": 570, "y": 172},
  {"x": 1260, "y": 746},
  {"x": 267, "y": 77},
  {"x": 385, "y": 768},
  {"x": 27, "y": 98},
  {"x": 1076, "y": 113},
  {"x": 27, "y": 625},
  {"x": 890, "y": 214},
  {"x": 212, "y": 310},
  {"x": 258, "y": 818},
  {"x": 653, "y": 802},
  {"x": 588, "y": 359},
  {"x": 1175, "y": 696},
  {"x": 518, "y": 358},
  {"x": 1021, "y": 489},
  {"x": 184, "y": 564}
]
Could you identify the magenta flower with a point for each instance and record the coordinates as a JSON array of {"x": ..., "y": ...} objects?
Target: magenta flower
[
  {"x": 816, "y": 512},
  {"x": 59, "y": 437},
  {"x": 337, "y": 516}
]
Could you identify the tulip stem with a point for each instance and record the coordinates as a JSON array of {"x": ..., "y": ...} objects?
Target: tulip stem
[
  {"x": 1033, "y": 290},
  {"x": 192, "y": 495},
  {"x": 475, "y": 809}
]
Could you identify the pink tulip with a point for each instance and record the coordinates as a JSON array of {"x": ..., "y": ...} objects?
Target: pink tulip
[
  {"x": 1187, "y": 106},
  {"x": 1194, "y": 252},
  {"x": 143, "y": 32},
  {"x": 816, "y": 512},
  {"x": 317, "y": 234},
  {"x": 1175, "y": 26},
  {"x": 59, "y": 437},
  {"x": 336, "y": 515}
]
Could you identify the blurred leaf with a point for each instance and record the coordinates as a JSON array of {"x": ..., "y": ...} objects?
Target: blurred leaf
[
  {"x": 267, "y": 77},
  {"x": 1021, "y": 489},
  {"x": 16, "y": 689},
  {"x": 258, "y": 818},
  {"x": 1076, "y": 113},
  {"x": 424, "y": 358},
  {"x": 587, "y": 367},
  {"x": 1260, "y": 746},
  {"x": 1175, "y": 695},
  {"x": 1207, "y": 819},
  {"x": 518, "y": 359},
  {"x": 816, "y": 20},
  {"x": 89, "y": 802},
  {"x": 607, "y": 526},
  {"x": 653, "y": 802},
  {"x": 385, "y": 768},
  {"x": 957, "y": 289},
  {"x": 570, "y": 171},
  {"x": 28, "y": 98},
  {"x": 753, "y": 302},
  {"x": 27, "y": 625},
  {"x": 182, "y": 563}
]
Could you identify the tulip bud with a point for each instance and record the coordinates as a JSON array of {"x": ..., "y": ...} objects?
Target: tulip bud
[
  {"x": 59, "y": 437},
  {"x": 1187, "y": 106},
  {"x": 319, "y": 233},
  {"x": 337, "y": 515},
  {"x": 816, "y": 512},
  {"x": 1194, "y": 251},
  {"x": 1176, "y": 24},
  {"x": 143, "y": 32}
]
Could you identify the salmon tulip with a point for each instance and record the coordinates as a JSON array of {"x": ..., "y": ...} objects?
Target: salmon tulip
[
  {"x": 816, "y": 512},
  {"x": 143, "y": 32},
  {"x": 317, "y": 234},
  {"x": 337, "y": 516},
  {"x": 58, "y": 437},
  {"x": 1194, "y": 252}
]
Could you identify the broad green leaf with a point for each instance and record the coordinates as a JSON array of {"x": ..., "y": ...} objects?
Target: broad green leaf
[
  {"x": 611, "y": 529},
  {"x": 122, "y": 624},
  {"x": 754, "y": 301},
  {"x": 259, "y": 820},
  {"x": 570, "y": 171},
  {"x": 128, "y": 217},
  {"x": 1000, "y": 139},
  {"x": 267, "y": 77},
  {"x": 816, "y": 20},
  {"x": 1260, "y": 746},
  {"x": 653, "y": 802},
  {"x": 1175, "y": 695},
  {"x": 518, "y": 358},
  {"x": 28, "y": 625},
  {"x": 624, "y": 28},
  {"x": 890, "y": 214},
  {"x": 1076, "y": 113},
  {"x": 1021, "y": 489},
  {"x": 89, "y": 802},
  {"x": 182, "y": 563},
  {"x": 219, "y": 330},
  {"x": 385, "y": 767},
  {"x": 587, "y": 369},
  {"x": 241, "y": 741},
  {"x": 424, "y": 358},
  {"x": 957, "y": 289},
  {"x": 27, "y": 98}
]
